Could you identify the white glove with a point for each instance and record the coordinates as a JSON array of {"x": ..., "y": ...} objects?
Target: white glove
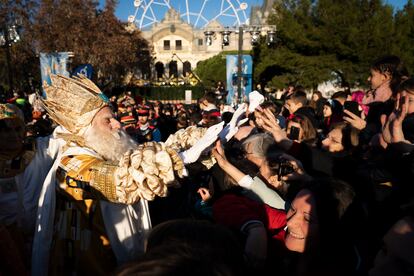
[
  {"x": 231, "y": 129},
  {"x": 237, "y": 114},
  {"x": 255, "y": 99},
  {"x": 192, "y": 154}
]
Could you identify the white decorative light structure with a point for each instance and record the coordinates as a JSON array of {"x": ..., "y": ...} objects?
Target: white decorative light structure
[
  {"x": 271, "y": 37},
  {"x": 226, "y": 38},
  {"x": 209, "y": 37}
]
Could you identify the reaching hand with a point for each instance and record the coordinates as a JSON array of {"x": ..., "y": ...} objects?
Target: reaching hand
[
  {"x": 237, "y": 114},
  {"x": 298, "y": 170},
  {"x": 219, "y": 154},
  {"x": 204, "y": 193},
  {"x": 392, "y": 128},
  {"x": 231, "y": 129},
  {"x": 355, "y": 121},
  {"x": 191, "y": 155},
  {"x": 271, "y": 125},
  {"x": 211, "y": 134}
]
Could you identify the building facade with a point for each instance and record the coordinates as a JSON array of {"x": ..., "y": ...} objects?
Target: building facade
[{"x": 178, "y": 47}]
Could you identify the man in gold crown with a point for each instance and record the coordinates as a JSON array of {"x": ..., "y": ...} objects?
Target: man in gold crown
[{"x": 93, "y": 212}]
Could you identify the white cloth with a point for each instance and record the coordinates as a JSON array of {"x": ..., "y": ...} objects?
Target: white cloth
[
  {"x": 127, "y": 235},
  {"x": 21, "y": 206},
  {"x": 255, "y": 99},
  {"x": 126, "y": 225}
]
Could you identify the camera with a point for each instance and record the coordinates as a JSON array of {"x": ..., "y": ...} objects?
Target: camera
[
  {"x": 285, "y": 168},
  {"x": 280, "y": 166},
  {"x": 294, "y": 133}
]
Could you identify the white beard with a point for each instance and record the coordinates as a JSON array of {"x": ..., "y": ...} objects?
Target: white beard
[{"x": 110, "y": 145}]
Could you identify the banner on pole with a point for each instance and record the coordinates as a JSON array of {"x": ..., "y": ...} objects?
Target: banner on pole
[
  {"x": 53, "y": 63},
  {"x": 84, "y": 69},
  {"x": 233, "y": 97}
]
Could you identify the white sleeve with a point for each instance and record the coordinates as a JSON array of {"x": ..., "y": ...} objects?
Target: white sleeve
[
  {"x": 266, "y": 194},
  {"x": 246, "y": 182}
]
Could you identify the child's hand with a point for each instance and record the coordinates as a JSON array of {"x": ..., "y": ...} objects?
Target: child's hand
[
  {"x": 204, "y": 193},
  {"x": 218, "y": 153}
]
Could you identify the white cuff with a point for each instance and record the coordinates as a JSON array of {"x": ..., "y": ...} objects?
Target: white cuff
[{"x": 246, "y": 181}]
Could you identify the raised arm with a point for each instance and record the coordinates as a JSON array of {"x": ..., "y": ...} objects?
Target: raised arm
[{"x": 145, "y": 172}]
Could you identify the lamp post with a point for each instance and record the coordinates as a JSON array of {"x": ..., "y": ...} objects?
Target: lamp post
[
  {"x": 255, "y": 30},
  {"x": 9, "y": 34},
  {"x": 239, "y": 66}
]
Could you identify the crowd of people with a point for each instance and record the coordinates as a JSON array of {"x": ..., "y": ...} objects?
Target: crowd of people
[{"x": 296, "y": 185}]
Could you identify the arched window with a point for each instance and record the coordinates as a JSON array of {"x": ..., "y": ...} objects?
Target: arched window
[
  {"x": 159, "y": 68},
  {"x": 186, "y": 68},
  {"x": 173, "y": 68}
]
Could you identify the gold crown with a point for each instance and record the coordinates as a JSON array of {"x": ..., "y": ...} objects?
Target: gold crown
[{"x": 73, "y": 102}]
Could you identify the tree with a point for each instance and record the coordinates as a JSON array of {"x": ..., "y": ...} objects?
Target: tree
[
  {"x": 318, "y": 38},
  {"x": 22, "y": 56},
  {"x": 404, "y": 35},
  {"x": 212, "y": 70},
  {"x": 95, "y": 37},
  {"x": 299, "y": 56}
]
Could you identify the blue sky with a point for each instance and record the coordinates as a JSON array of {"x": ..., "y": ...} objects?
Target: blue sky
[{"x": 126, "y": 8}]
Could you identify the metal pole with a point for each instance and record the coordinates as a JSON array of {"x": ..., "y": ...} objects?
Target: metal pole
[{"x": 239, "y": 66}]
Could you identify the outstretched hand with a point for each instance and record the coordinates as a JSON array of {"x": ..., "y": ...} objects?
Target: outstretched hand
[
  {"x": 298, "y": 170},
  {"x": 231, "y": 129},
  {"x": 355, "y": 121},
  {"x": 191, "y": 155},
  {"x": 237, "y": 115},
  {"x": 204, "y": 193},
  {"x": 218, "y": 153},
  {"x": 392, "y": 126},
  {"x": 271, "y": 125},
  {"x": 211, "y": 134}
]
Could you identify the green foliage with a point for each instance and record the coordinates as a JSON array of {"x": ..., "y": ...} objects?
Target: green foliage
[
  {"x": 212, "y": 70},
  {"x": 317, "y": 38},
  {"x": 94, "y": 36},
  {"x": 404, "y": 33}
]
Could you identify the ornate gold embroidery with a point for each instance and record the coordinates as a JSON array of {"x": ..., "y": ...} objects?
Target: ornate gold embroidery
[
  {"x": 73, "y": 102},
  {"x": 102, "y": 181}
]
